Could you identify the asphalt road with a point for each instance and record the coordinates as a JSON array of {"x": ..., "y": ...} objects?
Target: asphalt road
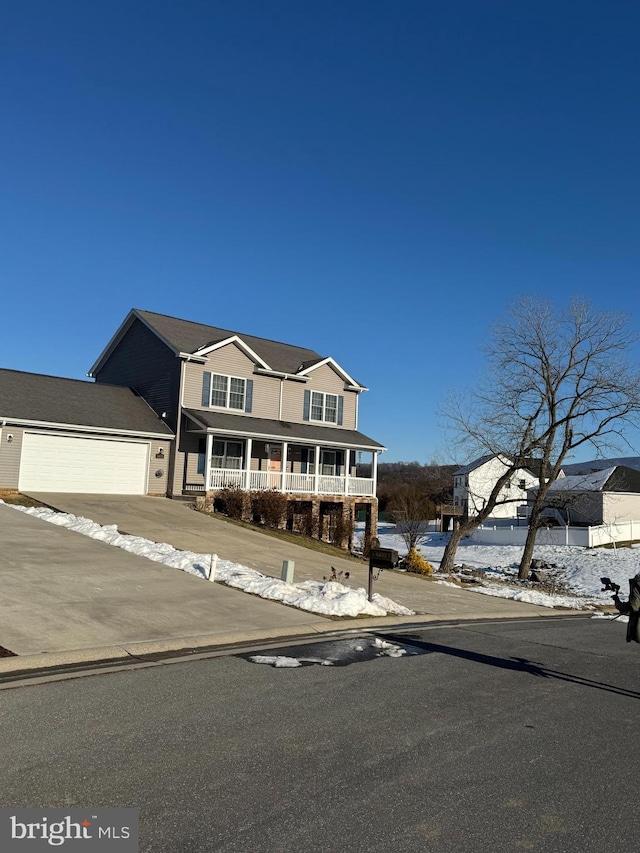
[{"x": 498, "y": 737}]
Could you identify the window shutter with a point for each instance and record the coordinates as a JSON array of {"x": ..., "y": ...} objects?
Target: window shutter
[
  {"x": 340, "y": 410},
  {"x": 248, "y": 397},
  {"x": 307, "y": 405},
  {"x": 201, "y": 455},
  {"x": 206, "y": 389}
]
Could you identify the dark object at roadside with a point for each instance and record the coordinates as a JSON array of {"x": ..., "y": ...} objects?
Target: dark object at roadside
[
  {"x": 630, "y": 608},
  {"x": 608, "y": 584}
]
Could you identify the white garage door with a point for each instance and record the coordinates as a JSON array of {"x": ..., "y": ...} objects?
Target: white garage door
[{"x": 59, "y": 463}]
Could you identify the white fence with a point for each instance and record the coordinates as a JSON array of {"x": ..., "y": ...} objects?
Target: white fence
[
  {"x": 321, "y": 484},
  {"x": 586, "y": 537}
]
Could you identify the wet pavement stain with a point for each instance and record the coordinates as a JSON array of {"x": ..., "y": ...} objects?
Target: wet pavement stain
[{"x": 333, "y": 652}]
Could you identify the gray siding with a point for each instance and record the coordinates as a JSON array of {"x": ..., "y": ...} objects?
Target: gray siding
[
  {"x": 231, "y": 361},
  {"x": 158, "y": 485},
  {"x": 10, "y": 454},
  {"x": 10, "y": 457},
  {"x": 186, "y": 462},
  {"x": 141, "y": 361},
  {"x": 323, "y": 379}
]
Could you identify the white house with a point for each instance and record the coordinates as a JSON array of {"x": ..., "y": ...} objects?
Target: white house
[
  {"x": 607, "y": 496},
  {"x": 473, "y": 483}
]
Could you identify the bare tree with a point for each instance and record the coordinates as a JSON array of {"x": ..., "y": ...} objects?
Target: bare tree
[
  {"x": 410, "y": 509},
  {"x": 556, "y": 381}
]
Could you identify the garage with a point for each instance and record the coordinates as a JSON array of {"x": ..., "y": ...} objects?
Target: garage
[{"x": 61, "y": 463}]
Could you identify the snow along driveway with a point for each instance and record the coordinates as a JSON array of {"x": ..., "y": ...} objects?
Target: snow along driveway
[{"x": 325, "y": 599}]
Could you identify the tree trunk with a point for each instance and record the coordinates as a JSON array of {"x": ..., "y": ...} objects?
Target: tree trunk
[
  {"x": 527, "y": 554},
  {"x": 446, "y": 565}
]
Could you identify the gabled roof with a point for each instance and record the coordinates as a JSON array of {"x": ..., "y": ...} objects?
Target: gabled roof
[
  {"x": 618, "y": 478},
  {"x": 188, "y": 337},
  {"x": 599, "y": 464},
  {"x": 37, "y": 399},
  {"x": 266, "y": 429},
  {"x": 532, "y": 465},
  {"x": 477, "y": 463}
]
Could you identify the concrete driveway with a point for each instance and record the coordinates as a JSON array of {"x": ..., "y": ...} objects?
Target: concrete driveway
[
  {"x": 164, "y": 520},
  {"x": 63, "y": 591}
]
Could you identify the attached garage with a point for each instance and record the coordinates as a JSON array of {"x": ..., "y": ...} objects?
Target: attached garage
[
  {"x": 68, "y": 435},
  {"x": 58, "y": 463}
]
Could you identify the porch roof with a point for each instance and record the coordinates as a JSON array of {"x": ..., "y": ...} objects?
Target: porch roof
[{"x": 264, "y": 429}]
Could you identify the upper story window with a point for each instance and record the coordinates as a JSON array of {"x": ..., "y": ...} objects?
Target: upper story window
[
  {"x": 319, "y": 406},
  {"x": 324, "y": 407},
  {"x": 227, "y": 392}
]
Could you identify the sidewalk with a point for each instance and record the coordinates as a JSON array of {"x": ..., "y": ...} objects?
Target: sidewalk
[{"x": 67, "y": 598}]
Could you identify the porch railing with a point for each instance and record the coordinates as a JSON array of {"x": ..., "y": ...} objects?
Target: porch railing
[{"x": 323, "y": 484}]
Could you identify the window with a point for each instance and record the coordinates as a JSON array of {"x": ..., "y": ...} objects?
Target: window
[
  {"x": 227, "y": 392},
  {"x": 523, "y": 484},
  {"x": 226, "y": 454},
  {"x": 324, "y": 407},
  {"x": 328, "y": 463}
]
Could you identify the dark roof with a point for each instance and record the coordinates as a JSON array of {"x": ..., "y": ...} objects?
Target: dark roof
[
  {"x": 618, "y": 478},
  {"x": 530, "y": 464},
  {"x": 74, "y": 402},
  {"x": 600, "y": 464},
  {"x": 283, "y": 430},
  {"x": 186, "y": 336}
]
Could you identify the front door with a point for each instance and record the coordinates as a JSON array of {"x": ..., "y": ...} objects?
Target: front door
[{"x": 275, "y": 466}]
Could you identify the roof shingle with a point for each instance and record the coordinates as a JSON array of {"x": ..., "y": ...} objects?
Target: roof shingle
[{"x": 74, "y": 402}]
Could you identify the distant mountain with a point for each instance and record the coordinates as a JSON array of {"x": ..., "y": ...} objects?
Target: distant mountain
[{"x": 600, "y": 465}]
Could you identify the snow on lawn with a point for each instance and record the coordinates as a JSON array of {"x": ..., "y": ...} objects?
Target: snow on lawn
[
  {"x": 326, "y": 599},
  {"x": 578, "y": 569}
]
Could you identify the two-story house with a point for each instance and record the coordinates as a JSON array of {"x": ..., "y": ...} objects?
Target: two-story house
[
  {"x": 473, "y": 484},
  {"x": 248, "y": 412}
]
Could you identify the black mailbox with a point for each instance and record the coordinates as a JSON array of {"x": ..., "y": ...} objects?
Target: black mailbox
[{"x": 383, "y": 558}]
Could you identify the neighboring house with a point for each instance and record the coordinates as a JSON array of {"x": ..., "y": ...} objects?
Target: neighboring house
[
  {"x": 473, "y": 484},
  {"x": 68, "y": 435},
  {"x": 249, "y": 412},
  {"x": 599, "y": 464},
  {"x": 607, "y": 496}
]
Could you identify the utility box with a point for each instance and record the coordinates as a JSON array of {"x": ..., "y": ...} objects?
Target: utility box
[{"x": 383, "y": 558}]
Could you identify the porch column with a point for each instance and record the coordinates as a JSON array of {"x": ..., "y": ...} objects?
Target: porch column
[
  {"x": 374, "y": 471},
  {"x": 207, "y": 463},
  {"x": 247, "y": 473},
  {"x": 317, "y": 467},
  {"x": 283, "y": 482},
  {"x": 347, "y": 460}
]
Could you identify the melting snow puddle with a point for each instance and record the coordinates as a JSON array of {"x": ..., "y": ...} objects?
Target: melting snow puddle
[{"x": 334, "y": 653}]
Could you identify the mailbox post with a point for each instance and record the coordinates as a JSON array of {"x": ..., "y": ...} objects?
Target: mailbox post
[{"x": 380, "y": 558}]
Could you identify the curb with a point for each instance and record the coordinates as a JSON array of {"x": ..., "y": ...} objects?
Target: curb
[{"x": 46, "y": 663}]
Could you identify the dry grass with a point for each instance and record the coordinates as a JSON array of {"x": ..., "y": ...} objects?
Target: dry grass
[
  {"x": 289, "y": 536},
  {"x": 16, "y": 499}
]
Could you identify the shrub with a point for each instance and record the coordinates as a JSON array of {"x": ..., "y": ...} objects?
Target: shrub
[
  {"x": 232, "y": 502},
  {"x": 415, "y": 562},
  {"x": 343, "y": 529},
  {"x": 271, "y": 507}
]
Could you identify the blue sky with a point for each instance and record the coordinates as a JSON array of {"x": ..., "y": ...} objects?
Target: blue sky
[{"x": 374, "y": 180}]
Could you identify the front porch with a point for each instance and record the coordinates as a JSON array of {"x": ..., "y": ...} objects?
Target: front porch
[{"x": 286, "y": 467}]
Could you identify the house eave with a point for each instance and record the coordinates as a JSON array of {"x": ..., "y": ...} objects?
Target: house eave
[
  {"x": 237, "y": 340},
  {"x": 267, "y": 436},
  {"x": 85, "y": 428}
]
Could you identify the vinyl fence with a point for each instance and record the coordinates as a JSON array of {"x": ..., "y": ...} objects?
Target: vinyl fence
[{"x": 586, "y": 537}]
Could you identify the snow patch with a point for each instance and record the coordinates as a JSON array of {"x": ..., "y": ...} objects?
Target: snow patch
[{"x": 326, "y": 599}]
